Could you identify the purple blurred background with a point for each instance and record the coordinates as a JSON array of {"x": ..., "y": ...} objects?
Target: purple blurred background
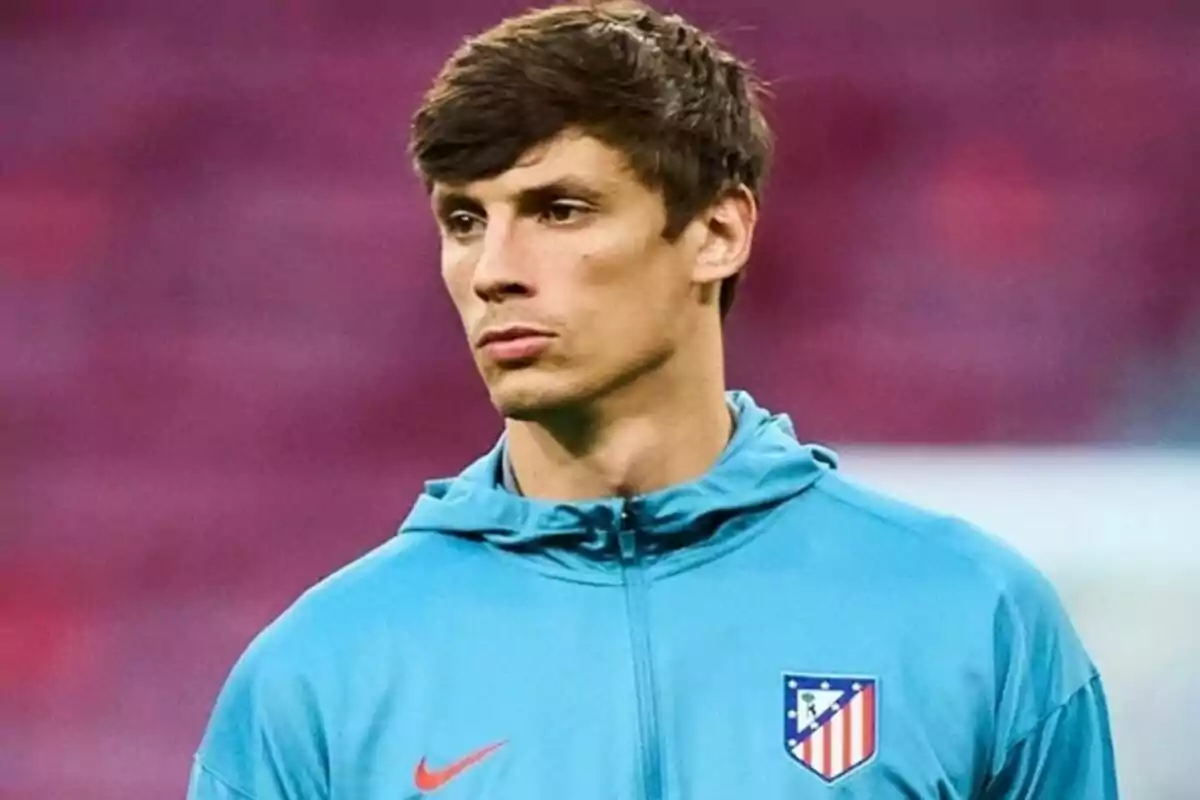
[{"x": 226, "y": 363}]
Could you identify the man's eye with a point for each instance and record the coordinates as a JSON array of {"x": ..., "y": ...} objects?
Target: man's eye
[
  {"x": 462, "y": 223},
  {"x": 563, "y": 211}
]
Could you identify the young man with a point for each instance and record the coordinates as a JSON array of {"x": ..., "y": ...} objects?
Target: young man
[{"x": 648, "y": 588}]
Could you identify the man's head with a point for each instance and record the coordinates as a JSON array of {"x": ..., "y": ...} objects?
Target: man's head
[{"x": 595, "y": 170}]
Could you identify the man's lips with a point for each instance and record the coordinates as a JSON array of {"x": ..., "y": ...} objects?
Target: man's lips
[
  {"x": 513, "y": 343},
  {"x": 508, "y": 333}
]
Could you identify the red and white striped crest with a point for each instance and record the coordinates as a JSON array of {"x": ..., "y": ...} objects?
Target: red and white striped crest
[{"x": 830, "y": 723}]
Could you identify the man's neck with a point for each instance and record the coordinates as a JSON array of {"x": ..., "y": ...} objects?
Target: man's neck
[{"x": 621, "y": 447}]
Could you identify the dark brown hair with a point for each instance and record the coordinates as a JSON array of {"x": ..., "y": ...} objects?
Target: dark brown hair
[{"x": 684, "y": 111}]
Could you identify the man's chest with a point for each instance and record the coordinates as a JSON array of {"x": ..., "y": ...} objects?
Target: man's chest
[{"x": 785, "y": 708}]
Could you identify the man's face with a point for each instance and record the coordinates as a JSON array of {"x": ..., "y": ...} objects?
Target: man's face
[{"x": 561, "y": 275}]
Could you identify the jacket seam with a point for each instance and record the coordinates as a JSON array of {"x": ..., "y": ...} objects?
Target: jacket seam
[
  {"x": 943, "y": 520},
  {"x": 1045, "y": 718},
  {"x": 1049, "y": 715},
  {"x": 225, "y": 782}
]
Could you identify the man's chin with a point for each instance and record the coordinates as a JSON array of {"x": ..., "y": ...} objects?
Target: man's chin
[
  {"x": 529, "y": 401},
  {"x": 525, "y": 408}
]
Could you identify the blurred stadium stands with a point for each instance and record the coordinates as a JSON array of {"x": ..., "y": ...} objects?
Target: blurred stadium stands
[{"x": 225, "y": 359}]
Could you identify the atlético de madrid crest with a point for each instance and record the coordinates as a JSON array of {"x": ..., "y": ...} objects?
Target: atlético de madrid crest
[{"x": 830, "y": 722}]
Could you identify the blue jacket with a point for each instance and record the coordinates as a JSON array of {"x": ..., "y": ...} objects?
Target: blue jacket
[{"x": 769, "y": 631}]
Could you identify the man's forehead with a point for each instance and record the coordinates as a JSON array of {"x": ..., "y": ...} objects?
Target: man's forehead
[{"x": 570, "y": 158}]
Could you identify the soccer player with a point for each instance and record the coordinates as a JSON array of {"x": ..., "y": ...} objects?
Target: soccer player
[{"x": 648, "y": 588}]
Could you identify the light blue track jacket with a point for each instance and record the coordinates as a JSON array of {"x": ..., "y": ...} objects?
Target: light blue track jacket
[{"x": 771, "y": 631}]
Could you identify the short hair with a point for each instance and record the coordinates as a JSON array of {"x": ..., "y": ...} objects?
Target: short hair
[{"x": 685, "y": 112}]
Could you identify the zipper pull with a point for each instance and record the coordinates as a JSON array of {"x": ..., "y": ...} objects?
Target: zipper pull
[
  {"x": 627, "y": 541},
  {"x": 626, "y": 534}
]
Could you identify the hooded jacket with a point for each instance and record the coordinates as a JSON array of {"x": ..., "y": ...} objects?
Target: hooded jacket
[{"x": 771, "y": 630}]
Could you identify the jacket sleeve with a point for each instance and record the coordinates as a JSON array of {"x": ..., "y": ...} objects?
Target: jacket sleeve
[
  {"x": 265, "y": 737},
  {"x": 1050, "y": 733},
  {"x": 1067, "y": 756}
]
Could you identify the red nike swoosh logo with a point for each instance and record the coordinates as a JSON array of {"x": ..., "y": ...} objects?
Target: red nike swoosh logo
[{"x": 428, "y": 780}]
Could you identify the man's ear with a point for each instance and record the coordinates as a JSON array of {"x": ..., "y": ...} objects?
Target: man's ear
[{"x": 727, "y": 233}]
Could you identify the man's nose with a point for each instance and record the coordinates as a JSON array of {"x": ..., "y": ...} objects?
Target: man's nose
[{"x": 502, "y": 270}]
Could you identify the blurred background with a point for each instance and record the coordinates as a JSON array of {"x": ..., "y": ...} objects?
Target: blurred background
[{"x": 226, "y": 364}]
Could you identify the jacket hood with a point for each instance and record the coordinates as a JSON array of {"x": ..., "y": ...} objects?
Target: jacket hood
[{"x": 762, "y": 466}]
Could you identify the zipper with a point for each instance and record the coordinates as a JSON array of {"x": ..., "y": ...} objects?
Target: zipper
[{"x": 633, "y": 571}]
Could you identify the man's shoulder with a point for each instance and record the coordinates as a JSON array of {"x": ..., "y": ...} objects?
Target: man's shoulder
[
  {"x": 347, "y": 633},
  {"x": 905, "y": 534},
  {"x": 399, "y": 570},
  {"x": 362, "y": 603},
  {"x": 970, "y": 574}
]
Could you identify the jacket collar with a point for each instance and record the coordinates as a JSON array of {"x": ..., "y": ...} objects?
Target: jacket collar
[{"x": 762, "y": 466}]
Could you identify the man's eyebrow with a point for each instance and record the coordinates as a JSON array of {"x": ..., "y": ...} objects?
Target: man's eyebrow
[
  {"x": 531, "y": 198},
  {"x": 446, "y": 202},
  {"x": 558, "y": 189}
]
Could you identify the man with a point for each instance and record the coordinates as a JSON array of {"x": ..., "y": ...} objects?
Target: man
[{"x": 648, "y": 588}]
